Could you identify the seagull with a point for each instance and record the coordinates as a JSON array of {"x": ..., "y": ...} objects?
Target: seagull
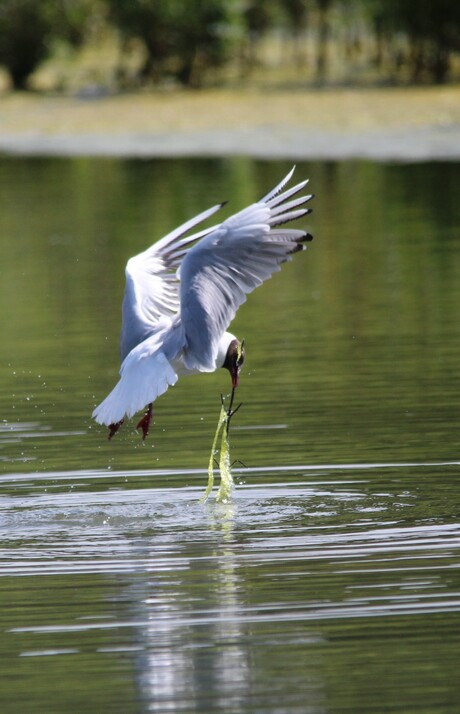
[{"x": 183, "y": 292}]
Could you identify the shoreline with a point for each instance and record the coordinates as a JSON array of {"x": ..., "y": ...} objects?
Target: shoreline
[
  {"x": 427, "y": 144},
  {"x": 415, "y": 124}
]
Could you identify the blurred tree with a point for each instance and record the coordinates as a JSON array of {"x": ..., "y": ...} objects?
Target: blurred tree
[
  {"x": 432, "y": 29},
  {"x": 29, "y": 29},
  {"x": 183, "y": 39},
  {"x": 296, "y": 14},
  {"x": 71, "y": 18},
  {"x": 25, "y": 30},
  {"x": 323, "y": 8},
  {"x": 259, "y": 17}
]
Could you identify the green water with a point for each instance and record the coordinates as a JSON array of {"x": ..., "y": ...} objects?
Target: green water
[
  {"x": 331, "y": 583},
  {"x": 352, "y": 349}
]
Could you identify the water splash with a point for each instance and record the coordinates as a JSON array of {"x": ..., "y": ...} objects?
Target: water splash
[{"x": 226, "y": 480}]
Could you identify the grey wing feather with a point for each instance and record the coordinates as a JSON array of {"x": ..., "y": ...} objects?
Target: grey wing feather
[
  {"x": 218, "y": 272},
  {"x": 152, "y": 286}
]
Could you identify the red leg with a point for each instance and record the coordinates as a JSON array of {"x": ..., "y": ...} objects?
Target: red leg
[
  {"x": 113, "y": 428},
  {"x": 144, "y": 423}
]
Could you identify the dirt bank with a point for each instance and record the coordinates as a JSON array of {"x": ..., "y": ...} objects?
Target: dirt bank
[{"x": 386, "y": 124}]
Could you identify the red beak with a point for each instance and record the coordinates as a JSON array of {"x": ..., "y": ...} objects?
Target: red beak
[{"x": 235, "y": 377}]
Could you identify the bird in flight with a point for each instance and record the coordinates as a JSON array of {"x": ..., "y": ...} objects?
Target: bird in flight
[{"x": 183, "y": 292}]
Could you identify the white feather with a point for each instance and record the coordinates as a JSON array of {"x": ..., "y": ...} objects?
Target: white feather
[{"x": 144, "y": 376}]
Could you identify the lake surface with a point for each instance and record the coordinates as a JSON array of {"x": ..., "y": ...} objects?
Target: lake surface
[{"x": 331, "y": 582}]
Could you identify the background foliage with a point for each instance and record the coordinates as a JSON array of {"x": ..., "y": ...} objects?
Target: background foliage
[{"x": 196, "y": 42}]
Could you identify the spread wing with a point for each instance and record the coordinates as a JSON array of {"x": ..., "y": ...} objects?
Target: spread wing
[
  {"x": 152, "y": 287},
  {"x": 230, "y": 261}
]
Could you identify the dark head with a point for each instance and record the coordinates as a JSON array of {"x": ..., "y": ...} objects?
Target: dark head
[{"x": 234, "y": 360}]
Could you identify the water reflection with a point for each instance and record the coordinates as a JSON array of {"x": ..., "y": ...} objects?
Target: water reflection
[
  {"x": 184, "y": 671},
  {"x": 267, "y": 603}
]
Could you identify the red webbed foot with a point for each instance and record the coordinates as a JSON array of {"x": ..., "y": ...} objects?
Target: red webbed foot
[
  {"x": 113, "y": 428},
  {"x": 144, "y": 423}
]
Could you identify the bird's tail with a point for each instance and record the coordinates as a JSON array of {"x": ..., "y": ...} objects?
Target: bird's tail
[{"x": 143, "y": 377}]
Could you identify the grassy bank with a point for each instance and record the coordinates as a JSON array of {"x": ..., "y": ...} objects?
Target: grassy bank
[
  {"x": 334, "y": 112},
  {"x": 182, "y": 111}
]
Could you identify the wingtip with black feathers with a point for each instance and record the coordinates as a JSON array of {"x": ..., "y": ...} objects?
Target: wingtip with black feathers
[{"x": 306, "y": 238}]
